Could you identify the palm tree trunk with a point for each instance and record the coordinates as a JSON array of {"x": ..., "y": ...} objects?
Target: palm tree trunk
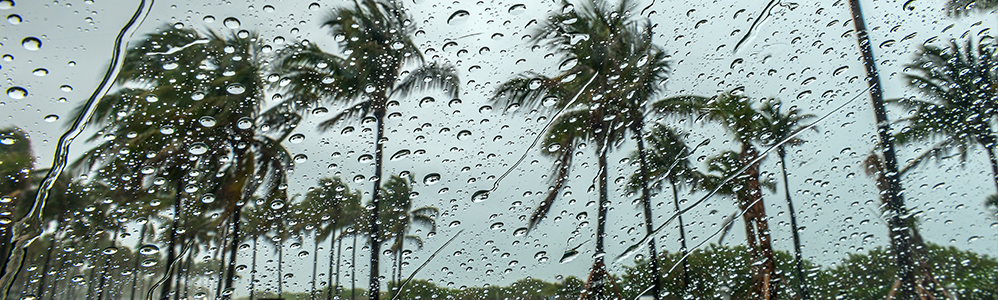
[
  {"x": 171, "y": 253},
  {"x": 137, "y": 265},
  {"x": 805, "y": 293},
  {"x": 353, "y": 270},
  {"x": 646, "y": 204},
  {"x": 106, "y": 269},
  {"x": 252, "y": 284},
  {"x": 764, "y": 274},
  {"x": 315, "y": 264},
  {"x": 598, "y": 275},
  {"x": 187, "y": 275},
  {"x": 375, "y": 282},
  {"x": 48, "y": 258},
  {"x": 682, "y": 238},
  {"x": 988, "y": 141},
  {"x": 230, "y": 273},
  {"x": 900, "y": 242},
  {"x": 332, "y": 256}
]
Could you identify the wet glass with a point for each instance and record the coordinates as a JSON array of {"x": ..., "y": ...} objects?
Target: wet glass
[{"x": 588, "y": 149}]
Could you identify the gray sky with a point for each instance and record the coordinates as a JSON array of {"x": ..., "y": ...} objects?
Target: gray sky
[{"x": 798, "y": 42}]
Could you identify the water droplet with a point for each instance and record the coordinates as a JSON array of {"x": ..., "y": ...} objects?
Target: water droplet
[
  {"x": 520, "y": 231},
  {"x": 458, "y": 17},
  {"x": 496, "y": 226},
  {"x": 40, "y": 72},
  {"x": 463, "y": 134},
  {"x": 166, "y": 129},
  {"x": 540, "y": 255},
  {"x": 370, "y": 88},
  {"x": 148, "y": 263},
  {"x": 313, "y": 6},
  {"x": 358, "y": 178},
  {"x": 517, "y": 9},
  {"x": 231, "y": 22},
  {"x": 208, "y": 19},
  {"x": 554, "y": 147},
  {"x": 109, "y": 250},
  {"x": 197, "y": 96},
  {"x": 297, "y": 138},
  {"x": 17, "y": 93},
  {"x": 77, "y": 278},
  {"x": 235, "y": 89},
  {"x": 207, "y": 121},
  {"x": 366, "y": 158},
  {"x": 208, "y": 198},
  {"x": 485, "y": 109},
  {"x": 289, "y": 276},
  {"x": 400, "y": 154},
  {"x": 6, "y": 4},
  {"x": 190, "y": 188},
  {"x": 347, "y": 130},
  {"x": 426, "y": 100},
  {"x": 149, "y": 250},
  {"x": 244, "y": 123},
  {"x": 198, "y": 149},
  {"x": 14, "y": 19},
  {"x": 480, "y": 196},
  {"x": 277, "y": 204},
  {"x": 268, "y": 8},
  {"x": 303, "y": 254},
  {"x": 31, "y": 43},
  {"x": 300, "y": 158},
  {"x": 431, "y": 179},
  {"x": 51, "y": 118},
  {"x": 455, "y": 224}
]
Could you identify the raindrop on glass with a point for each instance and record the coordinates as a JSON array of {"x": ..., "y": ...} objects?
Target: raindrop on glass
[
  {"x": 51, "y": 118},
  {"x": 207, "y": 121},
  {"x": 231, "y": 22},
  {"x": 198, "y": 149},
  {"x": 458, "y": 17},
  {"x": 297, "y": 138},
  {"x": 431, "y": 179},
  {"x": 31, "y": 43},
  {"x": 17, "y": 93},
  {"x": 40, "y": 72},
  {"x": 235, "y": 89},
  {"x": 14, "y": 19},
  {"x": 149, "y": 250}
]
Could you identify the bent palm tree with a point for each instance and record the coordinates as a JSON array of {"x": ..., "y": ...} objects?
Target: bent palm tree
[
  {"x": 376, "y": 36},
  {"x": 666, "y": 160},
  {"x": 399, "y": 219},
  {"x": 593, "y": 96},
  {"x": 961, "y": 86},
  {"x": 778, "y": 128}
]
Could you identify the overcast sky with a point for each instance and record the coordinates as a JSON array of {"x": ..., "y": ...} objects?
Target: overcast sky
[{"x": 802, "y": 53}]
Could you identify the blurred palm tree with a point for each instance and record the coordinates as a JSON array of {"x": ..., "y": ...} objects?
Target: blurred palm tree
[
  {"x": 188, "y": 115},
  {"x": 960, "y": 89},
  {"x": 961, "y": 8},
  {"x": 376, "y": 38},
  {"x": 329, "y": 208},
  {"x": 17, "y": 160},
  {"x": 667, "y": 161},
  {"x": 610, "y": 69},
  {"x": 400, "y": 219},
  {"x": 778, "y": 130}
]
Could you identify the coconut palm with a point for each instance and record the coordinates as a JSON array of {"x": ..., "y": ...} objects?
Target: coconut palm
[
  {"x": 400, "y": 219},
  {"x": 381, "y": 63},
  {"x": 738, "y": 116},
  {"x": 901, "y": 242},
  {"x": 958, "y": 83},
  {"x": 593, "y": 96},
  {"x": 667, "y": 161},
  {"x": 778, "y": 127},
  {"x": 329, "y": 208},
  {"x": 189, "y": 110}
]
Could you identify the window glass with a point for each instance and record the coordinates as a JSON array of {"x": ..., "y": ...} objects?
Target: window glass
[{"x": 579, "y": 149}]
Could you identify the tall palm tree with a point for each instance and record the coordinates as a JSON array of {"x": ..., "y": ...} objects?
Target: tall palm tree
[
  {"x": 593, "y": 96},
  {"x": 738, "y": 116},
  {"x": 900, "y": 242},
  {"x": 666, "y": 160},
  {"x": 401, "y": 217},
  {"x": 189, "y": 110},
  {"x": 961, "y": 97},
  {"x": 376, "y": 38},
  {"x": 778, "y": 127}
]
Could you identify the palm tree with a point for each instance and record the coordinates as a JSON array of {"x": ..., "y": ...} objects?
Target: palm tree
[
  {"x": 666, "y": 159},
  {"x": 960, "y": 101},
  {"x": 960, "y": 8},
  {"x": 376, "y": 38},
  {"x": 210, "y": 91},
  {"x": 399, "y": 219},
  {"x": 778, "y": 128},
  {"x": 330, "y": 207},
  {"x": 592, "y": 97},
  {"x": 901, "y": 242},
  {"x": 15, "y": 172},
  {"x": 740, "y": 119}
]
